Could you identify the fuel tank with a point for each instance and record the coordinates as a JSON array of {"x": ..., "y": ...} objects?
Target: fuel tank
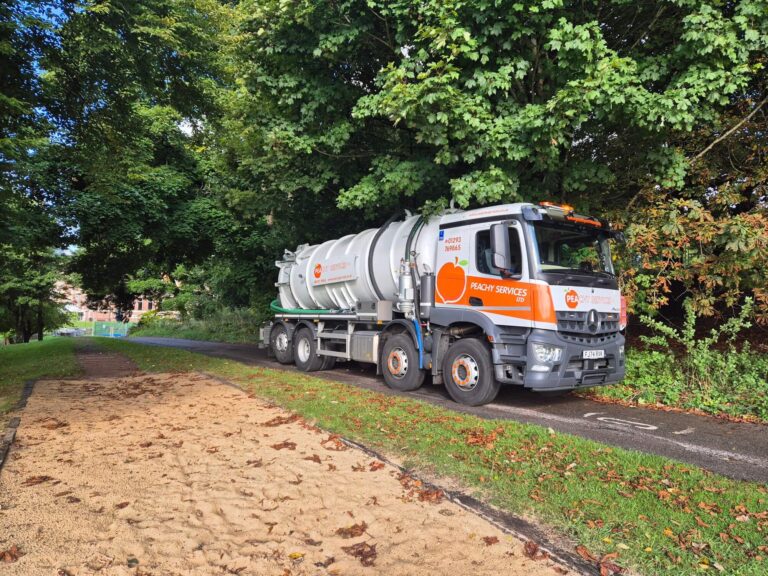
[{"x": 363, "y": 267}]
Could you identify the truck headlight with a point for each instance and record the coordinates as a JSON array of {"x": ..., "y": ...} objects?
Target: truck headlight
[{"x": 547, "y": 352}]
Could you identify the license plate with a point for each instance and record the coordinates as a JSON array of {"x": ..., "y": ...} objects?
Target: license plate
[{"x": 593, "y": 354}]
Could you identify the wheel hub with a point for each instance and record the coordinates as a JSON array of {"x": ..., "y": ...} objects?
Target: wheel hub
[
  {"x": 397, "y": 363},
  {"x": 281, "y": 342},
  {"x": 465, "y": 372},
  {"x": 303, "y": 350}
]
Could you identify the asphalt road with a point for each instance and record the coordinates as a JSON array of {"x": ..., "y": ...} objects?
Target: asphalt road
[{"x": 736, "y": 450}]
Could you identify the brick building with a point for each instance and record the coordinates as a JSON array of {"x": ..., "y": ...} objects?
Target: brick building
[{"x": 76, "y": 301}]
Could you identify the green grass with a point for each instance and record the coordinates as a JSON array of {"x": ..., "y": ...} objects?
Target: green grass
[
  {"x": 207, "y": 330},
  {"x": 659, "y": 516},
  {"x": 53, "y": 357}
]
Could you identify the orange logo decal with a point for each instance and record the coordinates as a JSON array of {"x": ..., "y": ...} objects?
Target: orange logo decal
[
  {"x": 318, "y": 271},
  {"x": 452, "y": 281},
  {"x": 571, "y": 298}
]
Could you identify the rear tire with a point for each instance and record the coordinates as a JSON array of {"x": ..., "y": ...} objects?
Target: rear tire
[
  {"x": 468, "y": 373},
  {"x": 400, "y": 364},
  {"x": 281, "y": 344},
  {"x": 305, "y": 351},
  {"x": 328, "y": 362}
]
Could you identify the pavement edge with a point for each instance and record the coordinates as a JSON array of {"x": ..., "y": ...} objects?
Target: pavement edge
[{"x": 13, "y": 423}]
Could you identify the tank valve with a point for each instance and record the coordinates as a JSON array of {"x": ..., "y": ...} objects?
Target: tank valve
[{"x": 405, "y": 292}]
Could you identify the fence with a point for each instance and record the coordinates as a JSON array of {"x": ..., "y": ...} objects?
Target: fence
[{"x": 111, "y": 329}]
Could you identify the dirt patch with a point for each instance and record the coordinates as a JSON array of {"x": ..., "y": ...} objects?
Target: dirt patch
[
  {"x": 180, "y": 474},
  {"x": 96, "y": 363}
]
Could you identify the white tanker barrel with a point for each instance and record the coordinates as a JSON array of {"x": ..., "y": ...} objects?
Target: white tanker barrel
[{"x": 336, "y": 275}]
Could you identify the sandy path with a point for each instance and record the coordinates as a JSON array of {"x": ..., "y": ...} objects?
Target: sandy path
[{"x": 179, "y": 474}]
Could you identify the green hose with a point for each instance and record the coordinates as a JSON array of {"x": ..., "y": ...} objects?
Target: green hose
[{"x": 275, "y": 307}]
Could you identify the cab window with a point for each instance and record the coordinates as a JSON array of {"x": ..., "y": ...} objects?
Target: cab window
[{"x": 484, "y": 255}]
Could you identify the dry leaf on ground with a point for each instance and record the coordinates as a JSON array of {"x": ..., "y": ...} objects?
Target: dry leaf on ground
[
  {"x": 353, "y": 531},
  {"x": 363, "y": 551},
  {"x": 287, "y": 444},
  {"x": 11, "y": 555}
]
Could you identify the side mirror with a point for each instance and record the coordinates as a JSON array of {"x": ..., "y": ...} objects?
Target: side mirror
[{"x": 502, "y": 259}]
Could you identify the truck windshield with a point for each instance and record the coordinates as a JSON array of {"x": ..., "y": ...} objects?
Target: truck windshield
[{"x": 564, "y": 248}]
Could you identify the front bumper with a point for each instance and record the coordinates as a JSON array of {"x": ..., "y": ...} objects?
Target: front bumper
[{"x": 571, "y": 371}]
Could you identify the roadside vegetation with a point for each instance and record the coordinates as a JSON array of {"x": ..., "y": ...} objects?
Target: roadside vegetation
[
  {"x": 223, "y": 325},
  {"x": 54, "y": 357},
  {"x": 635, "y": 510},
  {"x": 715, "y": 373}
]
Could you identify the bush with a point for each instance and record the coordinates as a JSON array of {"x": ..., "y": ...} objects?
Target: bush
[
  {"x": 221, "y": 324},
  {"x": 732, "y": 380}
]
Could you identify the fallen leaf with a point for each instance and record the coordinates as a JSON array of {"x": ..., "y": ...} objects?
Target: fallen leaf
[
  {"x": 560, "y": 570},
  {"x": 609, "y": 569},
  {"x": 280, "y": 420},
  {"x": 375, "y": 465},
  {"x": 353, "y": 531},
  {"x": 287, "y": 444},
  {"x": 363, "y": 551},
  {"x": 531, "y": 550},
  {"x": 333, "y": 442},
  {"x": 11, "y": 555},
  {"x": 121, "y": 505},
  {"x": 586, "y": 554},
  {"x": 314, "y": 458},
  {"x": 310, "y": 542},
  {"x": 35, "y": 480},
  {"x": 490, "y": 540},
  {"x": 258, "y": 463},
  {"x": 433, "y": 495},
  {"x": 296, "y": 555},
  {"x": 325, "y": 563}
]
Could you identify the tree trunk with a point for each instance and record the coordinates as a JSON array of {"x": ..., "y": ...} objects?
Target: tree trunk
[{"x": 40, "y": 320}]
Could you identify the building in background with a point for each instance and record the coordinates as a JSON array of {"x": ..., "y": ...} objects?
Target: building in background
[{"x": 76, "y": 302}]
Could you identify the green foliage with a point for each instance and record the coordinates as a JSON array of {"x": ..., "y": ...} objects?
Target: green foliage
[
  {"x": 222, "y": 325},
  {"x": 735, "y": 383},
  {"x": 709, "y": 373}
]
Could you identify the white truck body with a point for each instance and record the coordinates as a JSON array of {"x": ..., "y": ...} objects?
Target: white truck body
[{"x": 532, "y": 286}]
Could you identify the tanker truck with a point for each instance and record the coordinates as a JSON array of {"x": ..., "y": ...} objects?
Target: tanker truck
[{"x": 515, "y": 294}]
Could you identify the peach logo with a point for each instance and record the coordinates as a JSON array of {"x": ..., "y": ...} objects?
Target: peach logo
[
  {"x": 572, "y": 299},
  {"x": 452, "y": 281},
  {"x": 318, "y": 271}
]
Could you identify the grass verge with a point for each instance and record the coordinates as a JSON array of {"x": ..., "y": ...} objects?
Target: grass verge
[{"x": 53, "y": 357}]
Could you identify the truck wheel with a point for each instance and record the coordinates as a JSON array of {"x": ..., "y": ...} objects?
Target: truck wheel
[
  {"x": 400, "y": 363},
  {"x": 468, "y": 373},
  {"x": 305, "y": 352},
  {"x": 328, "y": 362},
  {"x": 281, "y": 344}
]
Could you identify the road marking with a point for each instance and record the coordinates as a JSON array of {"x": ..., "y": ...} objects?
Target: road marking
[
  {"x": 621, "y": 422},
  {"x": 686, "y": 431}
]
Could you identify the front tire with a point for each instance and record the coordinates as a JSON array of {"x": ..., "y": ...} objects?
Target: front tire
[
  {"x": 468, "y": 373},
  {"x": 281, "y": 345},
  {"x": 400, "y": 364},
  {"x": 305, "y": 351}
]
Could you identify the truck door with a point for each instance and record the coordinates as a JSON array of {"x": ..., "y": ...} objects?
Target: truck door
[{"x": 505, "y": 296}]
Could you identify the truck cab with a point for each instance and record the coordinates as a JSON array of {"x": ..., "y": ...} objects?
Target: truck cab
[{"x": 539, "y": 282}]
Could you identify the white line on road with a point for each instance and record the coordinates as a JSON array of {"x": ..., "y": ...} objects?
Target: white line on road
[{"x": 581, "y": 422}]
